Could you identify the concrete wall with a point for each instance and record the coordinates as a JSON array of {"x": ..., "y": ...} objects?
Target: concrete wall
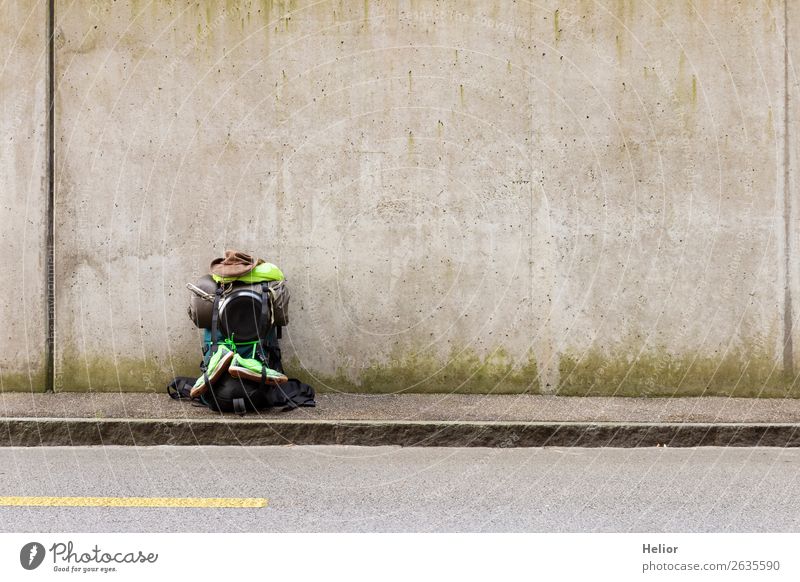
[
  {"x": 23, "y": 193},
  {"x": 474, "y": 196}
]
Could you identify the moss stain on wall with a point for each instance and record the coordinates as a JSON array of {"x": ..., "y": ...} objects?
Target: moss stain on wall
[
  {"x": 748, "y": 372},
  {"x": 33, "y": 381},
  {"x": 464, "y": 372},
  {"x": 75, "y": 373},
  {"x": 556, "y": 29}
]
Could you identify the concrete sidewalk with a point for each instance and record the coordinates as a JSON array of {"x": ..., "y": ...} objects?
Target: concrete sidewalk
[{"x": 408, "y": 420}]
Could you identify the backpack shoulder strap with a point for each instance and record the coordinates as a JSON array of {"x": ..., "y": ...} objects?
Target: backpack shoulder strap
[
  {"x": 264, "y": 327},
  {"x": 214, "y": 326},
  {"x": 215, "y": 317}
]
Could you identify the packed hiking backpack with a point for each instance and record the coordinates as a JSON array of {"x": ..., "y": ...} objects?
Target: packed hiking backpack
[{"x": 245, "y": 313}]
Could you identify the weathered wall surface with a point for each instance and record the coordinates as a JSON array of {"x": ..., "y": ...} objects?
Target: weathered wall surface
[
  {"x": 487, "y": 196},
  {"x": 791, "y": 166},
  {"x": 23, "y": 193}
]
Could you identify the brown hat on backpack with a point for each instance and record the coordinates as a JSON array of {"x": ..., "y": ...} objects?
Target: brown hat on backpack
[{"x": 234, "y": 264}]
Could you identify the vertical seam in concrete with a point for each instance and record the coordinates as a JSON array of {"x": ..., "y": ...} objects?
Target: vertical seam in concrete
[
  {"x": 50, "y": 205},
  {"x": 788, "y": 351}
]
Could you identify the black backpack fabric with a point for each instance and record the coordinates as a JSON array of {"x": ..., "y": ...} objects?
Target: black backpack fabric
[
  {"x": 180, "y": 387},
  {"x": 237, "y": 395}
]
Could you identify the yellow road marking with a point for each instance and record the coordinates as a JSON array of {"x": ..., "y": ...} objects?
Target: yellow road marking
[{"x": 133, "y": 501}]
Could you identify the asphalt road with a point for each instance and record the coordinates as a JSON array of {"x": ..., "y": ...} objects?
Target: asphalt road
[{"x": 411, "y": 489}]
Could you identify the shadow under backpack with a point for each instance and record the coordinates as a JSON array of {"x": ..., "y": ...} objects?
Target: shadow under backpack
[{"x": 247, "y": 315}]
